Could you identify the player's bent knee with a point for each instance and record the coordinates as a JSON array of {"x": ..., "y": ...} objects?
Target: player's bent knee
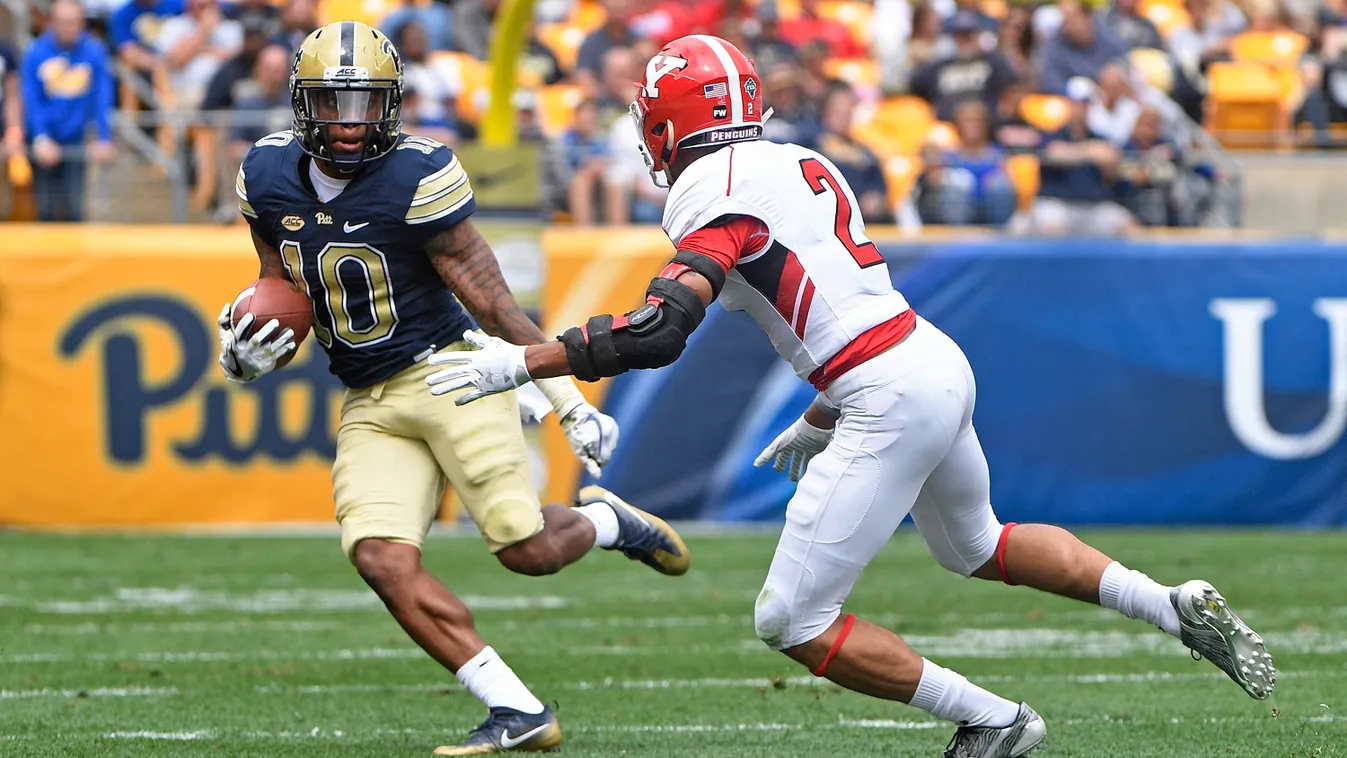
[
  {"x": 536, "y": 556},
  {"x": 782, "y": 623},
  {"x": 965, "y": 551},
  {"x": 386, "y": 566}
]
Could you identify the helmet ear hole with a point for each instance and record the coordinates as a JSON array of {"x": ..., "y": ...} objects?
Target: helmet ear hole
[{"x": 670, "y": 144}]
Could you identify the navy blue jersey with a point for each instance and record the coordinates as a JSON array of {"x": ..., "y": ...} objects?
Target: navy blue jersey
[{"x": 378, "y": 304}]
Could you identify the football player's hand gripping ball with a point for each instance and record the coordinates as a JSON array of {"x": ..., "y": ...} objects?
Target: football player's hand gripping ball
[
  {"x": 593, "y": 437},
  {"x": 494, "y": 366},
  {"x": 245, "y": 358},
  {"x": 795, "y": 447}
]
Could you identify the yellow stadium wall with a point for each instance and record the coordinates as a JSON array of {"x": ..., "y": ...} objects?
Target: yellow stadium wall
[
  {"x": 108, "y": 332},
  {"x": 590, "y": 272}
]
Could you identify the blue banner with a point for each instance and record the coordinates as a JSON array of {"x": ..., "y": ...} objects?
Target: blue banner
[{"x": 1118, "y": 383}]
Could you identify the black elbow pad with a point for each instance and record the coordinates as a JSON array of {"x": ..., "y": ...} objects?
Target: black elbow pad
[{"x": 650, "y": 336}]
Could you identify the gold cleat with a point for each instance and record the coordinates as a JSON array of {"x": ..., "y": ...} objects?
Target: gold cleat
[
  {"x": 642, "y": 536},
  {"x": 509, "y": 731}
]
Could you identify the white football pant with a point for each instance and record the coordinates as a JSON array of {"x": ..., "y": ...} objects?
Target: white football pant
[{"x": 904, "y": 443}]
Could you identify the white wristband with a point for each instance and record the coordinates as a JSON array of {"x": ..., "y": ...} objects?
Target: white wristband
[{"x": 562, "y": 393}]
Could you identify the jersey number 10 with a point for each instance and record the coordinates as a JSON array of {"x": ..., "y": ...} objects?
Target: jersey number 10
[
  {"x": 821, "y": 179},
  {"x": 361, "y": 303}
]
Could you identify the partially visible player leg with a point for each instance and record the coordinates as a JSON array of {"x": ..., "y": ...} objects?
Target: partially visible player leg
[
  {"x": 851, "y": 499},
  {"x": 481, "y": 449},
  {"x": 954, "y": 516},
  {"x": 387, "y": 488}
]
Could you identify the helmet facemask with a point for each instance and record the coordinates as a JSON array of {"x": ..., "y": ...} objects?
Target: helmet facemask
[
  {"x": 321, "y": 103},
  {"x": 665, "y": 146}
]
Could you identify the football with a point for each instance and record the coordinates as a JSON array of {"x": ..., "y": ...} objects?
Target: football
[{"x": 270, "y": 298}]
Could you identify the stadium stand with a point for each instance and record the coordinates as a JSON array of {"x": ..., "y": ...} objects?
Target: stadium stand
[{"x": 1224, "y": 74}]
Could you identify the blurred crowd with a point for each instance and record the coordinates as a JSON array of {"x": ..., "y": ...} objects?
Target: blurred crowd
[{"x": 1051, "y": 117}]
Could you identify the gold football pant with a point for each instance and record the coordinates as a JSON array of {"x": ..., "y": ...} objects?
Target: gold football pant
[{"x": 396, "y": 446}]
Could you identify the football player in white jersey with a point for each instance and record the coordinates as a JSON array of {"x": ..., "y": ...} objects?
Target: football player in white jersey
[{"x": 772, "y": 229}]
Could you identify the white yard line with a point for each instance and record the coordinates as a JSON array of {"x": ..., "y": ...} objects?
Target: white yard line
[
  {"x": 610, "y": 683},
  {"x": 172, "y": 736},
  {"x": 93, "y": 692},
  {"x": 189, "y": 600},
  {"x": 962, "y": 643},
  {"x": 182, "y": 627}
]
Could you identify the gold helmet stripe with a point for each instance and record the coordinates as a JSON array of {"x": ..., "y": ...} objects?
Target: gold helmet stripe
[{"x": 347, "y": 43}]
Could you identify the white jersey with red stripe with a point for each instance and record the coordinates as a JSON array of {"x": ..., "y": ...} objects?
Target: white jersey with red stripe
[{"x": 817, "y": 283}]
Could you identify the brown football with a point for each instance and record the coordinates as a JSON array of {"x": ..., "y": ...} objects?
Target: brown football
[{"x": 270, "y": 298}]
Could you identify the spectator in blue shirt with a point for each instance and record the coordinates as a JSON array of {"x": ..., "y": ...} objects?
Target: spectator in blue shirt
[
  {"x": 1150, "y": 171},
  {"x": 584, "y": 156},
  {"x": 1079, "y": 170},
  {"x": 859, "y": 166},
  {"x": 262, "y": 101},
  {"x": 67, "y": 90},
  {"x": 1080, "y": 48},
  {"x": 133, "y": 28},
  {"x": 968, "y": 184},
  {"x": 435, "y": 18},
  {"x": 613, "y": 33}
]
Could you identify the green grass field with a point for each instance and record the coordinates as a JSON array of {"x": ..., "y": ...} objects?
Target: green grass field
[{"x": 243, "y": 646}]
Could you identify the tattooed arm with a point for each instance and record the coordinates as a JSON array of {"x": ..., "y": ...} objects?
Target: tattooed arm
[
  {"x": 465, "y": 262},
  {"x": 272, "y": 263}
]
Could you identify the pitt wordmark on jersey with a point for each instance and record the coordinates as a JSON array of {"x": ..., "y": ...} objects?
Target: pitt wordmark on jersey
[
  {"x": 378, "y": 304},
  {"x": 817, "y": 286}
]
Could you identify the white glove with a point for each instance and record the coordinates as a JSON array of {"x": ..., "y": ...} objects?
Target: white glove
[
  {"x": 801, "y": 441},
  {"x": 593, "y": 437},
  {"x": 246, "y": 358},
  {"x": 494, "y": 366}
]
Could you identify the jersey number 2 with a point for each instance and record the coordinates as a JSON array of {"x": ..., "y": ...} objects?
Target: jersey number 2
[{"x": 820, "y": 180}]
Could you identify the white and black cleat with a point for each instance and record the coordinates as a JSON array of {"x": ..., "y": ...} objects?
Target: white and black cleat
[
  {"x": 1211, "y": 630},
  {"x": 1023, "y": 734}
]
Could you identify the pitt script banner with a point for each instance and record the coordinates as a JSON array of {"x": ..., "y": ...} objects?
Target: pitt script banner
[
  {"x": 113, "y": 410},
  {"x": 1154, "y": 381}
]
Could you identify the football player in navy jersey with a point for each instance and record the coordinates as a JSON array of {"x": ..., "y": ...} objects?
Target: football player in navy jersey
[{"x": 375, "y": 226}]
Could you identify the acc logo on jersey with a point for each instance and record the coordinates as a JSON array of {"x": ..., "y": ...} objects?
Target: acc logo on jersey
[
  {"x": 657, "y": 68},
  {"x": 293, "y": 223},
  {"x": 323, "y": 218}
]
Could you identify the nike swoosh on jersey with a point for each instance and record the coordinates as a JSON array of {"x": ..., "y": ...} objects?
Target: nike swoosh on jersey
[
  {"x": 506, "y": 741},
  {"x": 348, "y": 227}
]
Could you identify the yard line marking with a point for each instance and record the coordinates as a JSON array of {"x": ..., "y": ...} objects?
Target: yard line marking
[
  {"x": 183, "y": 627},
  {"x": 890, "y": 724},
  {"x": 99, "y": 692},
  {"x": 610, "y": 683},
  {"x": 173, "y": 736},
  {"x": 709, "y": 683},
  {"x": 963, "y": 643},
  {"x": 189, "y": 600}
]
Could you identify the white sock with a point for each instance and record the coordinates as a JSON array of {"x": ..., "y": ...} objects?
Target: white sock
[
  {"x": 1137, "y": 596},
  {"x": 605, "y": 522},
  {"x": 948, "y": 695},
  {"x": 491, "y": 681}
]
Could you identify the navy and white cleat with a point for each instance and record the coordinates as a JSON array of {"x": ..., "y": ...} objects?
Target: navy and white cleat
[
  {"x": 1211, "y": 630},
  {"x": 509, "y": 731},
  {"x": 1023, "y": 734},
  {"x": 641, "y": 536}
]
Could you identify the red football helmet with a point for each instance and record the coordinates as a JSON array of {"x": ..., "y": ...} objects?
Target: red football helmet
[{"x": 698, "y": 91}]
